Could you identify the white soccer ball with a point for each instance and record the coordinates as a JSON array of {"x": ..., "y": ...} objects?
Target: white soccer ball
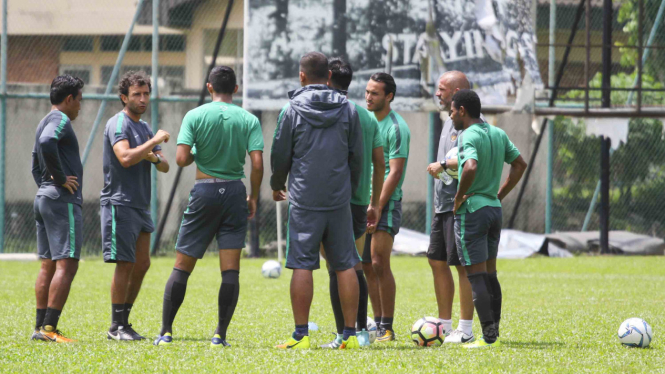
[
  {"x": 271, "y": 269},
  {"x": 427, "y": 332},
  {"x": 452, "y": 154},
  {"x": 635, "y": 332},
  {"x": 371, "y": 329}
]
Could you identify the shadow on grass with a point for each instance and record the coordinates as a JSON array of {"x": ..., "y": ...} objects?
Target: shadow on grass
[{"x": 531, "y": 345}]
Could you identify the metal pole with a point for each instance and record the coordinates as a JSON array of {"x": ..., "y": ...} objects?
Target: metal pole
[
  {"x": 550, "y": 129},
  {"x": 154, "y": 109},
  {"x": 559, "y": 75},
  {"x": 109, "y": 86},
  {"x": 3, "y": 121},
  {"x": 605, "y": 194},
  {"x": 430, "y": 181},
  {"x": 647, "y": 49},
  {"x": 606, "y": 99},
  {"x": 204, "y": 93}
]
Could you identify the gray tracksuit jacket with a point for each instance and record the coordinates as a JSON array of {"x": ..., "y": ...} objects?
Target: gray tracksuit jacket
[{"x": 318, "y": 141}]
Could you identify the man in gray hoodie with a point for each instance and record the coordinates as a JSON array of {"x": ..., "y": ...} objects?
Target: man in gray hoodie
[{"x": 318, "y": 141}]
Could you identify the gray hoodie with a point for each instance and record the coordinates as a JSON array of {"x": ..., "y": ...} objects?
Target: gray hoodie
[{"x": 318, "y": 141}]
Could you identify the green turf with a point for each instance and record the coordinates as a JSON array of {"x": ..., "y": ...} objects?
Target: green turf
[{"x": 560, "y": 315}]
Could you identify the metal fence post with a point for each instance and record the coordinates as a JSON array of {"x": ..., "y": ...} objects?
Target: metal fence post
[
  {"x": 3, "y": 121},
  {"x": 154, "y": 109},
  {"x": 550, "y": 128},
  {"x": 109, "y": 86}
]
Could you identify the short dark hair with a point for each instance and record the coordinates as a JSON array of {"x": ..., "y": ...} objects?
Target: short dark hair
[
  {"x": 342, "y": 73},
  {"x": 469, "y": 100},
  {"x": 63, "y": 86},
  {"x": 314, "y": 65},
  {"x": 388, "y": 81},
  {"x": 131, "y": 78},
  {"x": 222, "y": 79}
]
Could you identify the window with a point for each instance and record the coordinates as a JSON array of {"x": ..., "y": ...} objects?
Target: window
[
  {"x": 143, "y": 43},
  {"x": 111, "y": 42},
  {"x": 81, "y": 71},
  {"x": 172, "y": 43},
  {"x": 231, "y": 44},
  {"x": 77, "y": 44}
]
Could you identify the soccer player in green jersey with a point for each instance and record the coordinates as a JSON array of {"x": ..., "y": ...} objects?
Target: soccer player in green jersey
[
  {"x": 364, "y": 210},
  {"x": 483, "y": 149},
  {"x": 216, "y": 136},
  {"x": 379, "y": 93}
]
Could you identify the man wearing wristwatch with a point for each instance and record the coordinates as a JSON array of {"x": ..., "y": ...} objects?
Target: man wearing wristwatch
[
  {"x": 442, "y": 251},
  {"x": 130, "y": 150}
]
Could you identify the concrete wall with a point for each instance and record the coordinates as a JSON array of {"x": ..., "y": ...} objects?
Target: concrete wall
[{"x": 24, "y": 115}]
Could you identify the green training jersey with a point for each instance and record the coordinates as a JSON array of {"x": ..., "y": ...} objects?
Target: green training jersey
[
  {"x": 220, "y": 135},
  {"x": 396, "y": 137},
  {"x": 490, "y": 147},
  {"x": 371, "y": 139}
]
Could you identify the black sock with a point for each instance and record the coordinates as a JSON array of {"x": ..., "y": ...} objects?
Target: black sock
[
  {"x": 495, "y": 291},
  {"x": 41, "y": 313},
  {"x": 361, "y": 321},
  {"x": 336, "y": 303},
  {"x": 174, "y": 294},
  {"x": 227, "y": 300},
  {"x": 348, "y": 331},
  {"x": 117, "y": 316},
  {"x": 128, "y": 309},
  {"x": 301, "y": 331},
  {"x": 387, "y": 323},
  {"x": 51, "y": 319},
  {"x": 483, "y": 303},
  {"x": 377, "y": 320}
]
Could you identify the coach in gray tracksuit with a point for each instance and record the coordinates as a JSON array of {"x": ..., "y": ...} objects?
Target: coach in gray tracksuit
[{"x": 319, "y": 142}]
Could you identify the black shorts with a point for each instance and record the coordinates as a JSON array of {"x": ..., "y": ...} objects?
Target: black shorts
[
  {"x": 121, "y": 226},
  {"x": 442, "y": 245},
  {"x": 216, "y": 208},
  {"x": 478, "y": 234},
  {"x": 59, "y": 229},
  {"x": 359, "y": 214}
]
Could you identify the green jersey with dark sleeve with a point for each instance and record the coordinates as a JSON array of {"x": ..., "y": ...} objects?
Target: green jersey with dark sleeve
[
  {"x": 55, "y": 156},
  {"x": 372, "y": 139},
  {"x": 221, "y": 134},
  {"x": 490, "y": 147},
  {"x": 397, "y": 136}
]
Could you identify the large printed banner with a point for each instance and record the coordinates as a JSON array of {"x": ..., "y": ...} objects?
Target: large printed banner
[{"x": 483, "y": 38}]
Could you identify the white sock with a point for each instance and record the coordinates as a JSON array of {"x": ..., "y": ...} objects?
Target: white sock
[
  {"x": 447, "y": 324},
  {"x": 466, "y": 325}
]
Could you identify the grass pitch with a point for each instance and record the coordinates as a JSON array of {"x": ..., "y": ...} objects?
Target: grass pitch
[{"x": 560, "y": 315}]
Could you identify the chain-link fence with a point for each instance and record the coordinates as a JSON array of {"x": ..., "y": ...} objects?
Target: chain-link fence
[{"x": 87, "y": 44}]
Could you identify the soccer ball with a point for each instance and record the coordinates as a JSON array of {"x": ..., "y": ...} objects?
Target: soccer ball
[
  {"x": 635, "y": 332},
  {"x": 371, "y": 329},
  {"x": 452, "y": 154},
  {"x": 271, "y": 269},
  {"x": 427, "y": 332}
]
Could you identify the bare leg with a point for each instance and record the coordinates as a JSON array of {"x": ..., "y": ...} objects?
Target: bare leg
[
  {"x": 382, "y": 245},
  {"x": 43, "y": 282},
  {"x": 140, "y": 267},
  {"x": 302, "y": 292},
  {"x": 444, "y": 287},
  {"x": 465, "y": 295},
  {"x": 348, "y": 295},
  {"x": 373, "y": 290},
  {"x": 120, "y": 282},
  {"x": 65, "y": 270}
]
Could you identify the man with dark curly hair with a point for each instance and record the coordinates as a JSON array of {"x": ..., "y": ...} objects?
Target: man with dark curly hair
[{"x": 130, "y": 150}]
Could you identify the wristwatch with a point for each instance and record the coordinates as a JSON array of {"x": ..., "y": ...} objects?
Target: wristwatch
[
  {"x": 159, "y": 160},
  {"x": 444, "y": 165}
]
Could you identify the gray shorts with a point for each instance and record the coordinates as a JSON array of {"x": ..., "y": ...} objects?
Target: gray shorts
[
  {"x": 59, "y": 228},
  {"x": 359, "y": 214},
  {"x": 442, "y": 239},
  {"x": 216, "y": 208},
  {"x": 477, "y": 235},
  {"x": 121, "y": 226},
  {"x": 308, "y": 229}
]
